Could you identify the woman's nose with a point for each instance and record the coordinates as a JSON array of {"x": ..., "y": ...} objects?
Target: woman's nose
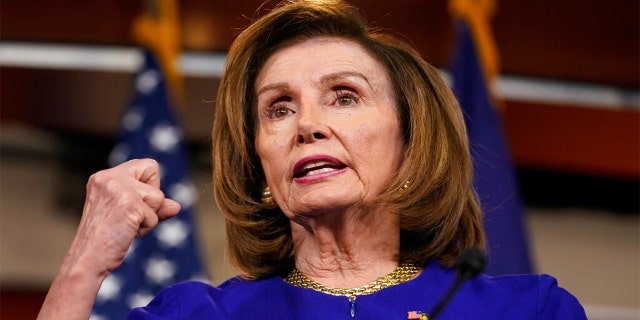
[
  {"x": 311, "y": 125},
  {"x": 310, "y": 137}
]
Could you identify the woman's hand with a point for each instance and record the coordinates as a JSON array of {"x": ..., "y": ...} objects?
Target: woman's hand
[{"x": 122, "y": 203}]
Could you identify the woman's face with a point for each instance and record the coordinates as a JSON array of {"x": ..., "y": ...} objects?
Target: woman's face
[{"x": 328, "y": 134}]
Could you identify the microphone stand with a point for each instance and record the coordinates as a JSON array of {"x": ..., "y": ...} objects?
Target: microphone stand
[{"x": 468, "y": 265}]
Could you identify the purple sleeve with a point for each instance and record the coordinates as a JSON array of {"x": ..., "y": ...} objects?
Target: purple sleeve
[
  {"x": 164, "y": 306},
  {"x": 555, "y": 302},
  {"x": 189, "y": 300}
]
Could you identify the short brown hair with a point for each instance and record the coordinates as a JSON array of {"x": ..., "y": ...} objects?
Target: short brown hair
[{"x": 439, "y": 211}]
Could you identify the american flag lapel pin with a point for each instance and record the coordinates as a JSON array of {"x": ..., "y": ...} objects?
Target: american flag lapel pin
[{"x": 417, "y": 315}]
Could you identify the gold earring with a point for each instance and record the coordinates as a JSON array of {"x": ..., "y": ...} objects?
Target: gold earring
[
  {"x": 405, "y": 185},
  {"x": 266, "y": 197}
]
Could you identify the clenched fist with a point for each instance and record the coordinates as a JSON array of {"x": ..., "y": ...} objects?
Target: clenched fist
[{"x": 122, "y": 203}]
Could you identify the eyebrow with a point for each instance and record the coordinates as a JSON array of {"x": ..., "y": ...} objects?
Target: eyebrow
[
  {"x": 274, "y": 86},
  {"x": 343, "y": 74},
  {"x": 284, "y": 86}
]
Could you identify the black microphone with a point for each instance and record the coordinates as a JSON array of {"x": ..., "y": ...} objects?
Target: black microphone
[{"x": 468, "y": 265}]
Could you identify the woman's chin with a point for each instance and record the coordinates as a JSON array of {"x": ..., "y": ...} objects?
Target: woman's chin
[{"x": 321, "y": 206}]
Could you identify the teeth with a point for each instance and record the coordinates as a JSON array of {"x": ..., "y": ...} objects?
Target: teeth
[
  {"x": 319, "y": 171},
  {"x": 314, "y": 164},
  {"x": 317, "y": 167}
]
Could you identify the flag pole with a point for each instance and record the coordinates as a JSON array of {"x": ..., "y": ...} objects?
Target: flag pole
[{"x": 158, "y": 29}]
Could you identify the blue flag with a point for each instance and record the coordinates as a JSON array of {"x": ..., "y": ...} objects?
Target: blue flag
[
  {"x": 494, "y": 178},
  {"x": 169, "y": 253}
]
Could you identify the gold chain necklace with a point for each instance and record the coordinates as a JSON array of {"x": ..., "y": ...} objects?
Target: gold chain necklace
[{"x": 402, "y": 273}]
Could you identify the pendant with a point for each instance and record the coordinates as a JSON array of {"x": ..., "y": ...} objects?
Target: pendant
[{"x": 352, "y": 307}]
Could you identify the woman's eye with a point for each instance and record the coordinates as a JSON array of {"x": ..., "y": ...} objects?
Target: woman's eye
[
  {"x": 345, "y": 98},
  {"x": 279, "y": 112},
  {"x": 278, "y": 108}
]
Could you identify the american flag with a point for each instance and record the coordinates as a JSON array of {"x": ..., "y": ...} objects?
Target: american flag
[
  {"x": 169, "y": 253},
  {"x": 495, "y": 176}
]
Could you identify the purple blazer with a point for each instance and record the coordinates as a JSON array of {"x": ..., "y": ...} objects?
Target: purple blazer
[{"x": 484, "y": 297}]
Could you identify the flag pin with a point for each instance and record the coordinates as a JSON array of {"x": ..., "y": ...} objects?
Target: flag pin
[{"x": 417, "y": 315}]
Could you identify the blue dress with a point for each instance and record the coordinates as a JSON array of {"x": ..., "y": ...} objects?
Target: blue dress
[{"x": 484, "y": 297}]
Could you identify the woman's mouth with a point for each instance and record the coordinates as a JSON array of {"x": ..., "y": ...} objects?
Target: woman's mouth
[
  {"x": 314, "y": 166},
  {"x": 317, "y": 167}
]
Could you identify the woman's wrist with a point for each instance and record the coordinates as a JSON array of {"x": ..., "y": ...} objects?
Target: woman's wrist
[{"x": 74, "y": 289}]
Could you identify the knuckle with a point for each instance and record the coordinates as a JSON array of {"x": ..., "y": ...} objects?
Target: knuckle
[
  {"x": 125, "y": 200},
  {"x": 98, "y": 179},
  {"x": 157, "y": 193},
  {"x": 112, "y": 186},
  {"x": 145, "y": 162},
  {"x": 154, "y": 164}
]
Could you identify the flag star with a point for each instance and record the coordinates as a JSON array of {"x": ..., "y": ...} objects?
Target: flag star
[
  {"x": 184, "y": 193},
  {"x": 162, "y": 169},
  {"x": 131, "y": 253},
  {"x": 119, "y": 154},
  {"x": 164, "y": 137},
  {"x": 160, "y": 270},
  {"x": 199, "y": 276},
  {"x": 132, "y": 120},
  {"x": 172, "y": 233},
  {"x": 95, "y": 316},
  {"x": 139, "y": 299},
  {"x": 147, "y": 81},
  {"x": 110, "y": 289}
]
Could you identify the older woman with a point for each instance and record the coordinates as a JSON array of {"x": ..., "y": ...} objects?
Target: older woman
[{"x": 341, "y": 165}]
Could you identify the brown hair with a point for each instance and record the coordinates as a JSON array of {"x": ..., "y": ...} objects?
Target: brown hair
[{"x": 439, "y": 211}]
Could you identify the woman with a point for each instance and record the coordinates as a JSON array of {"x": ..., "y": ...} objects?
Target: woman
[{"x": 342, "y": 167}]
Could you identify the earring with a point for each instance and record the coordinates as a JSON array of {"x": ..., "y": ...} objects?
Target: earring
[
  {"x": 266, "y": 197},
  {"x": 405, "y": 185}
]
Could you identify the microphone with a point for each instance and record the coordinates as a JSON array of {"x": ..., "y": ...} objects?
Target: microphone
[{"x": 468, "y": 265}]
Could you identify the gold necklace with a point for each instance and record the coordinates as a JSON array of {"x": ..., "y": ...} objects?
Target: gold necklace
[{"x": 402, "y": 273}]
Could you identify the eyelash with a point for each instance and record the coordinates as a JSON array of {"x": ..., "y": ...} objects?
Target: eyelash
[
  {"x": 346, "y": 93},
  {"x": 273, "y": 109}
]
